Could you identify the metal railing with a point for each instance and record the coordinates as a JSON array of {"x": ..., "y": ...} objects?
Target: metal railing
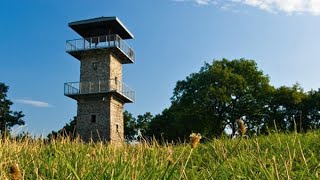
[
  {"x": 100, "y": 42},
  {"x": 77, "y": 88}
]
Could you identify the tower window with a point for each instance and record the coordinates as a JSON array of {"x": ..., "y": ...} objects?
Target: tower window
[
  {"x": 117, "y": 127},
  {"x": 116, "y": 80},
  {"x": 95, "y": 65},
  {"x": 93, "y": 118}
]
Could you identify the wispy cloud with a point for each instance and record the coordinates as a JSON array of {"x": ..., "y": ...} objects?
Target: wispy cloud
[
  {"x": 287, "y": 6},
  {"x": 203, "y": 2},
  {"x": 33, "y": 103},
  {"x": 199, "y": 2},
  {"x": 275, "y": 6}
]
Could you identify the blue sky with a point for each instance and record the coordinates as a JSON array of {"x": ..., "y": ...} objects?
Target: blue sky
[{"x": 173, "y": 38}]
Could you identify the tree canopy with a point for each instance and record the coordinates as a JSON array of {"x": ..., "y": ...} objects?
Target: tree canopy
[
  {"x": 134, "y": 127},
  {"x": 8, "y": 118},
  {"x": 222, "y": 92},
  {"x": 66, "y": 130},
  {"x": 130, "y": 126}
]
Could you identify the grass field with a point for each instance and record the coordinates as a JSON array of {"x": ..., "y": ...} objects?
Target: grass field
[{"x": 277, "y": 156}]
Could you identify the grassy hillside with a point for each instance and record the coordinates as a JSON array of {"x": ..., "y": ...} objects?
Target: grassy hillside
[{"x": 277, "y": 156}]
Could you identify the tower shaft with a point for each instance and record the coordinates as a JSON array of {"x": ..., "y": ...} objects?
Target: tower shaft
[{"x": 100, "y": 93}]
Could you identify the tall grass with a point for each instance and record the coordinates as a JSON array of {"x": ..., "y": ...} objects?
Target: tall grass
[{"x": 277, "y": 156}]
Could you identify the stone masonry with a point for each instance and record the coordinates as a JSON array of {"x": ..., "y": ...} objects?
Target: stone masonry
[{"x": 100, "y": 116}]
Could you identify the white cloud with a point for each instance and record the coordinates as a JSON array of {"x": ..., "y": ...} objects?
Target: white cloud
[
  {"x": 287, "y": 6},
  {"x": 203, "y": 2},
  {"x": 275, "y": 6},
  {"x": 33, "y": 103},
  {"x": 199, "y": 2}
]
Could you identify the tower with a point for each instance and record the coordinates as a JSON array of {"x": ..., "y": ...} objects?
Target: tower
[{"x": 100, "y": 93}]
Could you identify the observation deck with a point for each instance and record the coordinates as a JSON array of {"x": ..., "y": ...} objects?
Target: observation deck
[
  {"x": 107, "y": 43},
  {"x": 122, "y": 91}
]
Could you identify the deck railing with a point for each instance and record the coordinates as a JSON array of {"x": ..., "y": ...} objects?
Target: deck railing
[
  {"x": 100, "y": 42},
  {"x": 77, "y": 88}
]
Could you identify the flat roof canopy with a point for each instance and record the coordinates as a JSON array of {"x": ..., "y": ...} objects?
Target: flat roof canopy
[{"x": 101, "y": 26}]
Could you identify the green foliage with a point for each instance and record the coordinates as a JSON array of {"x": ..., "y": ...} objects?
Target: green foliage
[
  {"x": 215, "y": 97},
  {"x": 212, "y": 99},
  {"x": 143, "y": 122},
  {"x": 277, "y": 156},
  {"x": 130, "y": 126},
  {"x": 284, "y": 107},
  {"x": 161, "y": 126},
  {"x": 310, "y": 111},
  {"x": 134, "y": 127},
  {"x": 8, "y": 118},
  {"x": 69, "y": 130},
  {"x": 23, "y": 135}
]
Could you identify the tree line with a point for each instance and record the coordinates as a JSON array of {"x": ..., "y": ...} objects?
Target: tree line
[{"x": 210, "y": 101}]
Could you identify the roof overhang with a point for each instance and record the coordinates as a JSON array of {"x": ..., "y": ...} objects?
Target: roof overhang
[{"x": 101, "y": 26}]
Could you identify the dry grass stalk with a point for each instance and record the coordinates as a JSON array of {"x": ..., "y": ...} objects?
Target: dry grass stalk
[
  {"x": 241, "y": 127},
  {"x": 93, "y": 154},
  {"x": 169, "y": 158},
  {"x": 195, "y": 139},
  {"x": 275, "y": 167},
  {"x": 15, "y": 172}
]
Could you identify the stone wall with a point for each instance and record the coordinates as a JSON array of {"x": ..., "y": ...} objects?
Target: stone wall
[
  {"x": 116, "y": 120},
  {"x": 96, "y": 69},
  {"x": 93, "y": 106},
  {"x": 115, "y": 68}
]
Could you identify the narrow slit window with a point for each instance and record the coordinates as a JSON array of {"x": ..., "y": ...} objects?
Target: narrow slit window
[
  {"x": 95, "y": 65},
  {"x": 93, "y": 118},
  {"x": 117, "y": 127}
]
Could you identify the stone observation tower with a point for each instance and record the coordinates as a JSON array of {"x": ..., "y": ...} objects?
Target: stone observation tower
[{"x": 100, "y": 94}]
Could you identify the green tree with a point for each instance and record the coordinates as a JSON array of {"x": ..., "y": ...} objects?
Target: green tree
[
  {"x": 143, "y": 122},
  {"x": 8, "y": 118},
  {"x": 136, "y": 126},
  {"x": 163, "y": 126},
  {"x": 130, "y": 126},
  {"x": 215, "y": 97},
  {"x": 24, "y": 135},
  {"x": 68, "y": 130},
  {"x": 284, "y": 108},
  {"x": 310, "y": 113}
]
